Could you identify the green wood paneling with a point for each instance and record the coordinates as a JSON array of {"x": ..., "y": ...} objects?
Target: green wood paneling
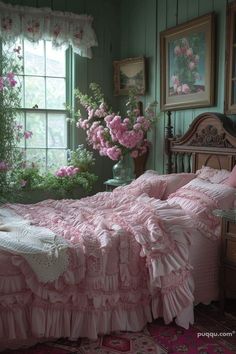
[
  {"x": 220, "y": 43},
  {"x": 171, "y": 13},
  {"x": 205, "y": 6},
  {"x": 192, "y": 9},
  {"x": 43, "y": 3},
  {"x": 75, "y": 6},
  {"x": 152, "y": 66},
  {"x": 159, "y": 133},
  {"x": 58, "y": 5}
]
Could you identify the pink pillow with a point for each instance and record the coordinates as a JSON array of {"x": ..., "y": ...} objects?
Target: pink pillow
[
  {"x": 212, "y": 175},
  {"x": 199, "y": 198},
  {"x": 176, "y": 181},
  {"x": 159, "y": 186},
  {"x": 198, "y": 191},
  {"x": 231, "y": 180},
  {"x": 150, "y": 183}
]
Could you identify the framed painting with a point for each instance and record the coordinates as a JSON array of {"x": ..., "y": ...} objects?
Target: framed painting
[
  {"x": 187, "y": 64},
  {"x": 129, "y": 74}
]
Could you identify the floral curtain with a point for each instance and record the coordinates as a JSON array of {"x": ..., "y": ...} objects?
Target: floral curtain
[{"x": 62, "y": 28}]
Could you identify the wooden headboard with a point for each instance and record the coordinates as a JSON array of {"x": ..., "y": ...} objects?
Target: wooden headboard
[{"x": 210, "y": 141}]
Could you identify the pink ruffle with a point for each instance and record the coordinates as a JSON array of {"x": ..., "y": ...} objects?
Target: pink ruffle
[{"x": 106, "y": 286}]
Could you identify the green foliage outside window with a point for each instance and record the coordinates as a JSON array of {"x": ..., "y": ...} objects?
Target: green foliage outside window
[
  {"x": 19, "y": 177},
  {"x": 10, "y": 66}
]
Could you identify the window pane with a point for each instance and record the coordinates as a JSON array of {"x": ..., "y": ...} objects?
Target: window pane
[
  {"x": 38, "y": 156},
  {"x": 19, "y": 80},
  {"x": 34, "y": 58},
  {"x": 56, "y": 97},
  {"x": 55, "y": 61},
  {"x": 36, "y": 122},
  {"x": 34, "y": 92},
  {"x": 57, "y": 130},
  {"x": 56, "y": 158}
]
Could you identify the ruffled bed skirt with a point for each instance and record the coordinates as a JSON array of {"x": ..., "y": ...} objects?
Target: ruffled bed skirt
[
  {"x": 31, "y": 312},
  {"x": 37, "y": 321}
]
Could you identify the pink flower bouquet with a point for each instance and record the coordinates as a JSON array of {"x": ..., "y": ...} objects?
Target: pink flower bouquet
[{"x": 110, "y": 133}]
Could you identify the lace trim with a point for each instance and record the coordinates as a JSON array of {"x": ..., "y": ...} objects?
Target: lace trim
[{"x": 62, "y": 28}]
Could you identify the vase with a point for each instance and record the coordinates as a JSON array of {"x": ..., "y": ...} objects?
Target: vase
[{"x": 123, "y": 169}]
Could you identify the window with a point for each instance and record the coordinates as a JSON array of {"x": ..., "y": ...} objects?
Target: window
[{"x": 45, "y": 84}]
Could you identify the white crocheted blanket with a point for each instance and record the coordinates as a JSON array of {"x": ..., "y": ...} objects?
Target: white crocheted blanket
[{"x": 46, "y": 252}]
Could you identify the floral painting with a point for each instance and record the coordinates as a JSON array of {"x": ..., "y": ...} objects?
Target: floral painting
[{"x": 187, "y": 65}]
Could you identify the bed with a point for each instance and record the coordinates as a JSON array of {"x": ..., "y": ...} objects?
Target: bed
[{"x": 120, "y": 259}]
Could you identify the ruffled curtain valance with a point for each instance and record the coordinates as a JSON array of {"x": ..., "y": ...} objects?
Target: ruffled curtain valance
[{"x": 62, "y": 28}]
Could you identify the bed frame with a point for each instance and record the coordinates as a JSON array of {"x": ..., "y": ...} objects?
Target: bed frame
[{"x": 210, "y": 141}]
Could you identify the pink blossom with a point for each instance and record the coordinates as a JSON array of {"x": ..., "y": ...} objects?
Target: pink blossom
[
  {"x": 126, "y": 121},
  {"x": 143, "y": 150},
  {"x": 61, "y": 172},
  {"x": 196, "y": 58},
  {"x": 134, "y": 154},
  {"x": 189, "y": 52},
  {"x": 10, "y": 77},
  {"x": 109, "y": 118},
  {"x": 90, "y": 113},
  {"x": 84, "y": 124},
  {"x": 179, "y": 90},
  {"x": 191, "y": 65},
  {"x": 185, "y": 88},
  {"x": 140, "y": 119},
  {"x": 137, "y": 126},
  {"x": 175, "y": 80},
  {"x": 100, "y": 113},
  {"x": 177, "y": 50},
  {"x": 28, "y": 134},
  {"x": 67, "y": 171},
  {"x": 1, "y": 83},
  {"x": 137, "y": 112},
  {"x": 114, "y": 153},
  {"x": 3, "y": 166},
  {"x": 103, "y": 106},
  {"x": 114, "y": 136}
]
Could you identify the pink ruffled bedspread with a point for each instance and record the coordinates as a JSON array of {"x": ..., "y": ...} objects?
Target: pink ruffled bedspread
[{"x": 130, "y": 265}]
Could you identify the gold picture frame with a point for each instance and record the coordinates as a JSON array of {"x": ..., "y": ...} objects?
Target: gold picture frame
[
  {"x": 187, "y": 64},
  {"x": 129, "y": 74}
]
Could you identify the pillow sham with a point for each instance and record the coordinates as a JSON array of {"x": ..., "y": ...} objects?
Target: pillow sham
[
  {"x": 212, "y": 175},
  {"x": 157, "y": 186},
  {"x": 231, "y": 180},
  {"x": 199, "y": 198},
  {"x": 176, "y": 181}
]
